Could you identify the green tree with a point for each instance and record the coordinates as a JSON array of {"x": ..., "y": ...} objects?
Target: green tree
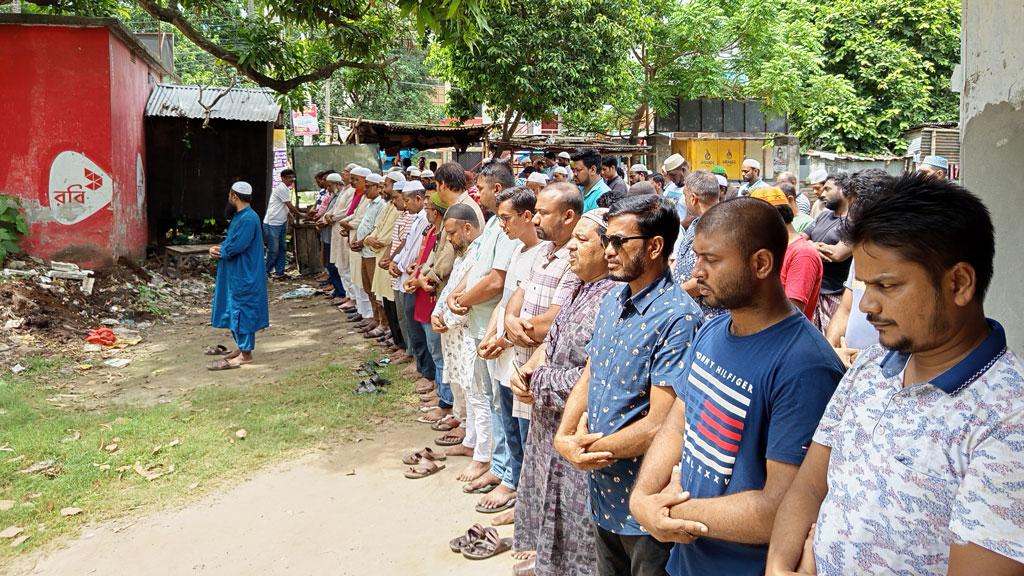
[
  {"x": 286, "y": 44},
  {"x": 535, "y": 59},
  {"x": 737, "y": 49},
  {"x": 887, "y": 65},
  {"x": 404, "y": 94}
]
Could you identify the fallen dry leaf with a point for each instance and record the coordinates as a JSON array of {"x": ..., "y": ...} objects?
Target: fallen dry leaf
[
  {"x": 11, "y": 532},
  {"x": 241, "y": 434},
  {"x": 70, "y": 512},
  {"x": 6, "y": 448},
  {"x": 46, "y": 467},
  {"x": 156, "y": 449},
  {"x": 74, "y": 437},
  {"x": 19, "y": 540},
  {"x": 173, "y": 443},
  {"x": 33, "y": 495},
  {"x": 152, "y": 472},
  {"x": 112, "y": 447},
  {"x": 193, "y": 486},
  {"x": 6, "y": 505}
]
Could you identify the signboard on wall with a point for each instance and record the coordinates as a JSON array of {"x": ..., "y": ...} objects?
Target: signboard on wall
[
  {"x": 304, "y": 122},
  {"x": 280, "y": 157},
  {"x": 78, "y": 188}
]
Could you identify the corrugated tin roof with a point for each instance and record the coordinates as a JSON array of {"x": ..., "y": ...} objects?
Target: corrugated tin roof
[{"x": 250, "y": 104}]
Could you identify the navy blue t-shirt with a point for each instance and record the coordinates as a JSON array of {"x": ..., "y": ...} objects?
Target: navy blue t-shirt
[{"x": 748, "y": 399}]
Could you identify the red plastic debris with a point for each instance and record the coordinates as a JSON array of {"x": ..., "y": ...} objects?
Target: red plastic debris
[{"x": 101, "y": 336}]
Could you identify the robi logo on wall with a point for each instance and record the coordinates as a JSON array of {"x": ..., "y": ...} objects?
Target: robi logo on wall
[{"x": 78, "y": 188}]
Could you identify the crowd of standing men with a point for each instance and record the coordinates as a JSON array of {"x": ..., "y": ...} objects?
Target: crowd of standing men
[{"x": 680, "y": 377}]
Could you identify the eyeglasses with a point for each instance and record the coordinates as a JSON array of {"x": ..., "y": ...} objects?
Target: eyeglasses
[{"x": 616, "y": 242}]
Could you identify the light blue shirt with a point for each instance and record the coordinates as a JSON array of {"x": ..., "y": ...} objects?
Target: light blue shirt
[{"x": 591, "y": 196}]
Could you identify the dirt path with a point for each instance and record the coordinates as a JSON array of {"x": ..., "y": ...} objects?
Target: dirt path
[
  {"x": 312, "y": 516},
  {"x": 169, "y": 361}
]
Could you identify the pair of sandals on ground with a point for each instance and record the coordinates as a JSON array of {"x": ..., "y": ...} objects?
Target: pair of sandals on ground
[
  {"x": 481, "y": 543},
  {"x": 229, "y": 359},
  {"x": 374, "y": 383},
  {"x": 427, "y": 462}
]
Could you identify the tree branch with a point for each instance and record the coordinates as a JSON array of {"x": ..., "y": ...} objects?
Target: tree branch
[
  {"x": 172, "y": 16},
  {"x": 208, "y": 109}
]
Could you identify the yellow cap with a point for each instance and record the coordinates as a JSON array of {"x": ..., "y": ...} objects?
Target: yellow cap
[{"x": 770, "y": 194}]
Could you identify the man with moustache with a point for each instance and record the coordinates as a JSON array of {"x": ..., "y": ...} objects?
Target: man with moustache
[
  {"x": 916, "y": 465},
  {"x": 827, "y": 235},
  {"x": 642, "y": 333},
  {"x": 240, "y": 294}
]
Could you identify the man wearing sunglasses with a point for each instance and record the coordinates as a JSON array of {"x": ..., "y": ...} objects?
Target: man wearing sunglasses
[{"x": 642, "y": 332}]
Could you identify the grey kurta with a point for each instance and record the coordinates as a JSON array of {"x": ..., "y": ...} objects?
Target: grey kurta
[{"x": 552, "y": 512}]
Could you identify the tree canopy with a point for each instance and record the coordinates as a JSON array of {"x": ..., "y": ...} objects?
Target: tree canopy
[
  {"x": 535, "y": 59},
  {"x": 287, "y": 44},
  {"x": 886, "y": 68}
]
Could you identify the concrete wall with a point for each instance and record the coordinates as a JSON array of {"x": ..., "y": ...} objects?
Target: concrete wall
[{"x": 991, "y": 82}]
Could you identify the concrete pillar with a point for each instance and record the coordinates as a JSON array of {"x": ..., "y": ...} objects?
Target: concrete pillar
[{"x": 991, "y": 82}]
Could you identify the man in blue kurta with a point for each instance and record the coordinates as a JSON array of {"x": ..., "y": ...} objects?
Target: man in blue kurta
[{"x": 240, "y": 296}]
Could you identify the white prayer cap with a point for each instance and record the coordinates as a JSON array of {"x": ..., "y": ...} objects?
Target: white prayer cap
[
  {"x": 242, "y": 188},
  {"x": 751, "y": 163},
  {"x": 394, "y": 169},
  {"x": 818, "y": 176},
  {"x": 414, "y": 172},
  {"x": 374, "y": 178},
  {"x": 722, "y": 180},
  {"x": 672, "y": 162},
  {"x": 537, "y": 178},
  {"x": 335, "y": 177},
  {"x": 638, "y": 168},
  {"x": 361, "y": 171},
  {"x": 398, "y": 185},
  {"x": 412, "y": 186},
  {"x": 396, "y": 176},
  {"x": 427, "y": 174},
  {"x": 564, "y": 155},
  {"x": 560, "y": 170},
  {"x": 351, "y": 166}
]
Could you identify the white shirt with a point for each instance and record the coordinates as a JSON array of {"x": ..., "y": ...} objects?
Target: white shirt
[
  {"x": 411, "y": 250},
  {"x": 277, "y": 212}
]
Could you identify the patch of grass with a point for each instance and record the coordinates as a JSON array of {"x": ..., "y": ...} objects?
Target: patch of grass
[
  {"x": 149, "y": 301},
  {"x": 308, "y": 407}
]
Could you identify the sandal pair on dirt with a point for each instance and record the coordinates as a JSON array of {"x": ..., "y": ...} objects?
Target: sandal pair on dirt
[
  {"x": 226, "y": 355},
  {"x": 423, "y": 463},
  {"x": 372, "y": 385},
  {"x": 480, "y": 543}
]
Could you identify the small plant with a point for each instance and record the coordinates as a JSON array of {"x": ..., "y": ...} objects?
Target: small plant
[
  {"x": 13, "y": 226},
  {"x": 149, "y": 301}
]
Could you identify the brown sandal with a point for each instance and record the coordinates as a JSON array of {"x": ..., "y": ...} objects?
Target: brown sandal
[
  {"x": 475, "y": 532},
  {"x": 222, "y": 364},
  {"x": 423, "y": 469},
  {"x": 421, "y": 455},
  {"x": 450, "y": 439},
  {"x": 446, "y": 424},
  {"x": 488, "y": 546}
]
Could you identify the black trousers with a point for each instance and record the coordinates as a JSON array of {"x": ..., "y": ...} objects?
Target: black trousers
[
  {"x": 619, "y": 555},
  {"x": 391, "y": 313}
]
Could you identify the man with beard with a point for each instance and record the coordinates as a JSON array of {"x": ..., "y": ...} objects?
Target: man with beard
[
  {"x": 754, "y": 384},
  {"x": 240, "y": 295},
  {"x": 538, "y": 293},
  {"x": 552, "y": 516},
  {"x": 476, "y": 297},
  {"x": 586, "y": 165},
  {"x": 641, "y": 336},
  {"x": 826, "y": 234},
  {"x": 675, "y": 168},
  {"x": 700, "y": 194},
  {"x": 916, "y": 465},
  {"x": 750, "y": 173}
]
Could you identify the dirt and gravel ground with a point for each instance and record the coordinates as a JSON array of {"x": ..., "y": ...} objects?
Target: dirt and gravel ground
[{"x": 344, "y": 511}]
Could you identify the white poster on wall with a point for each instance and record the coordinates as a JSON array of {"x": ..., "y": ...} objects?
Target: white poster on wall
[
  {"x": 78, "y": 188},
  {"x": 140, "y": 182}
]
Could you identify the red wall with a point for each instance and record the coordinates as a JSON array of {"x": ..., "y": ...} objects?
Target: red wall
[{"x": 73, "y": 92}]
